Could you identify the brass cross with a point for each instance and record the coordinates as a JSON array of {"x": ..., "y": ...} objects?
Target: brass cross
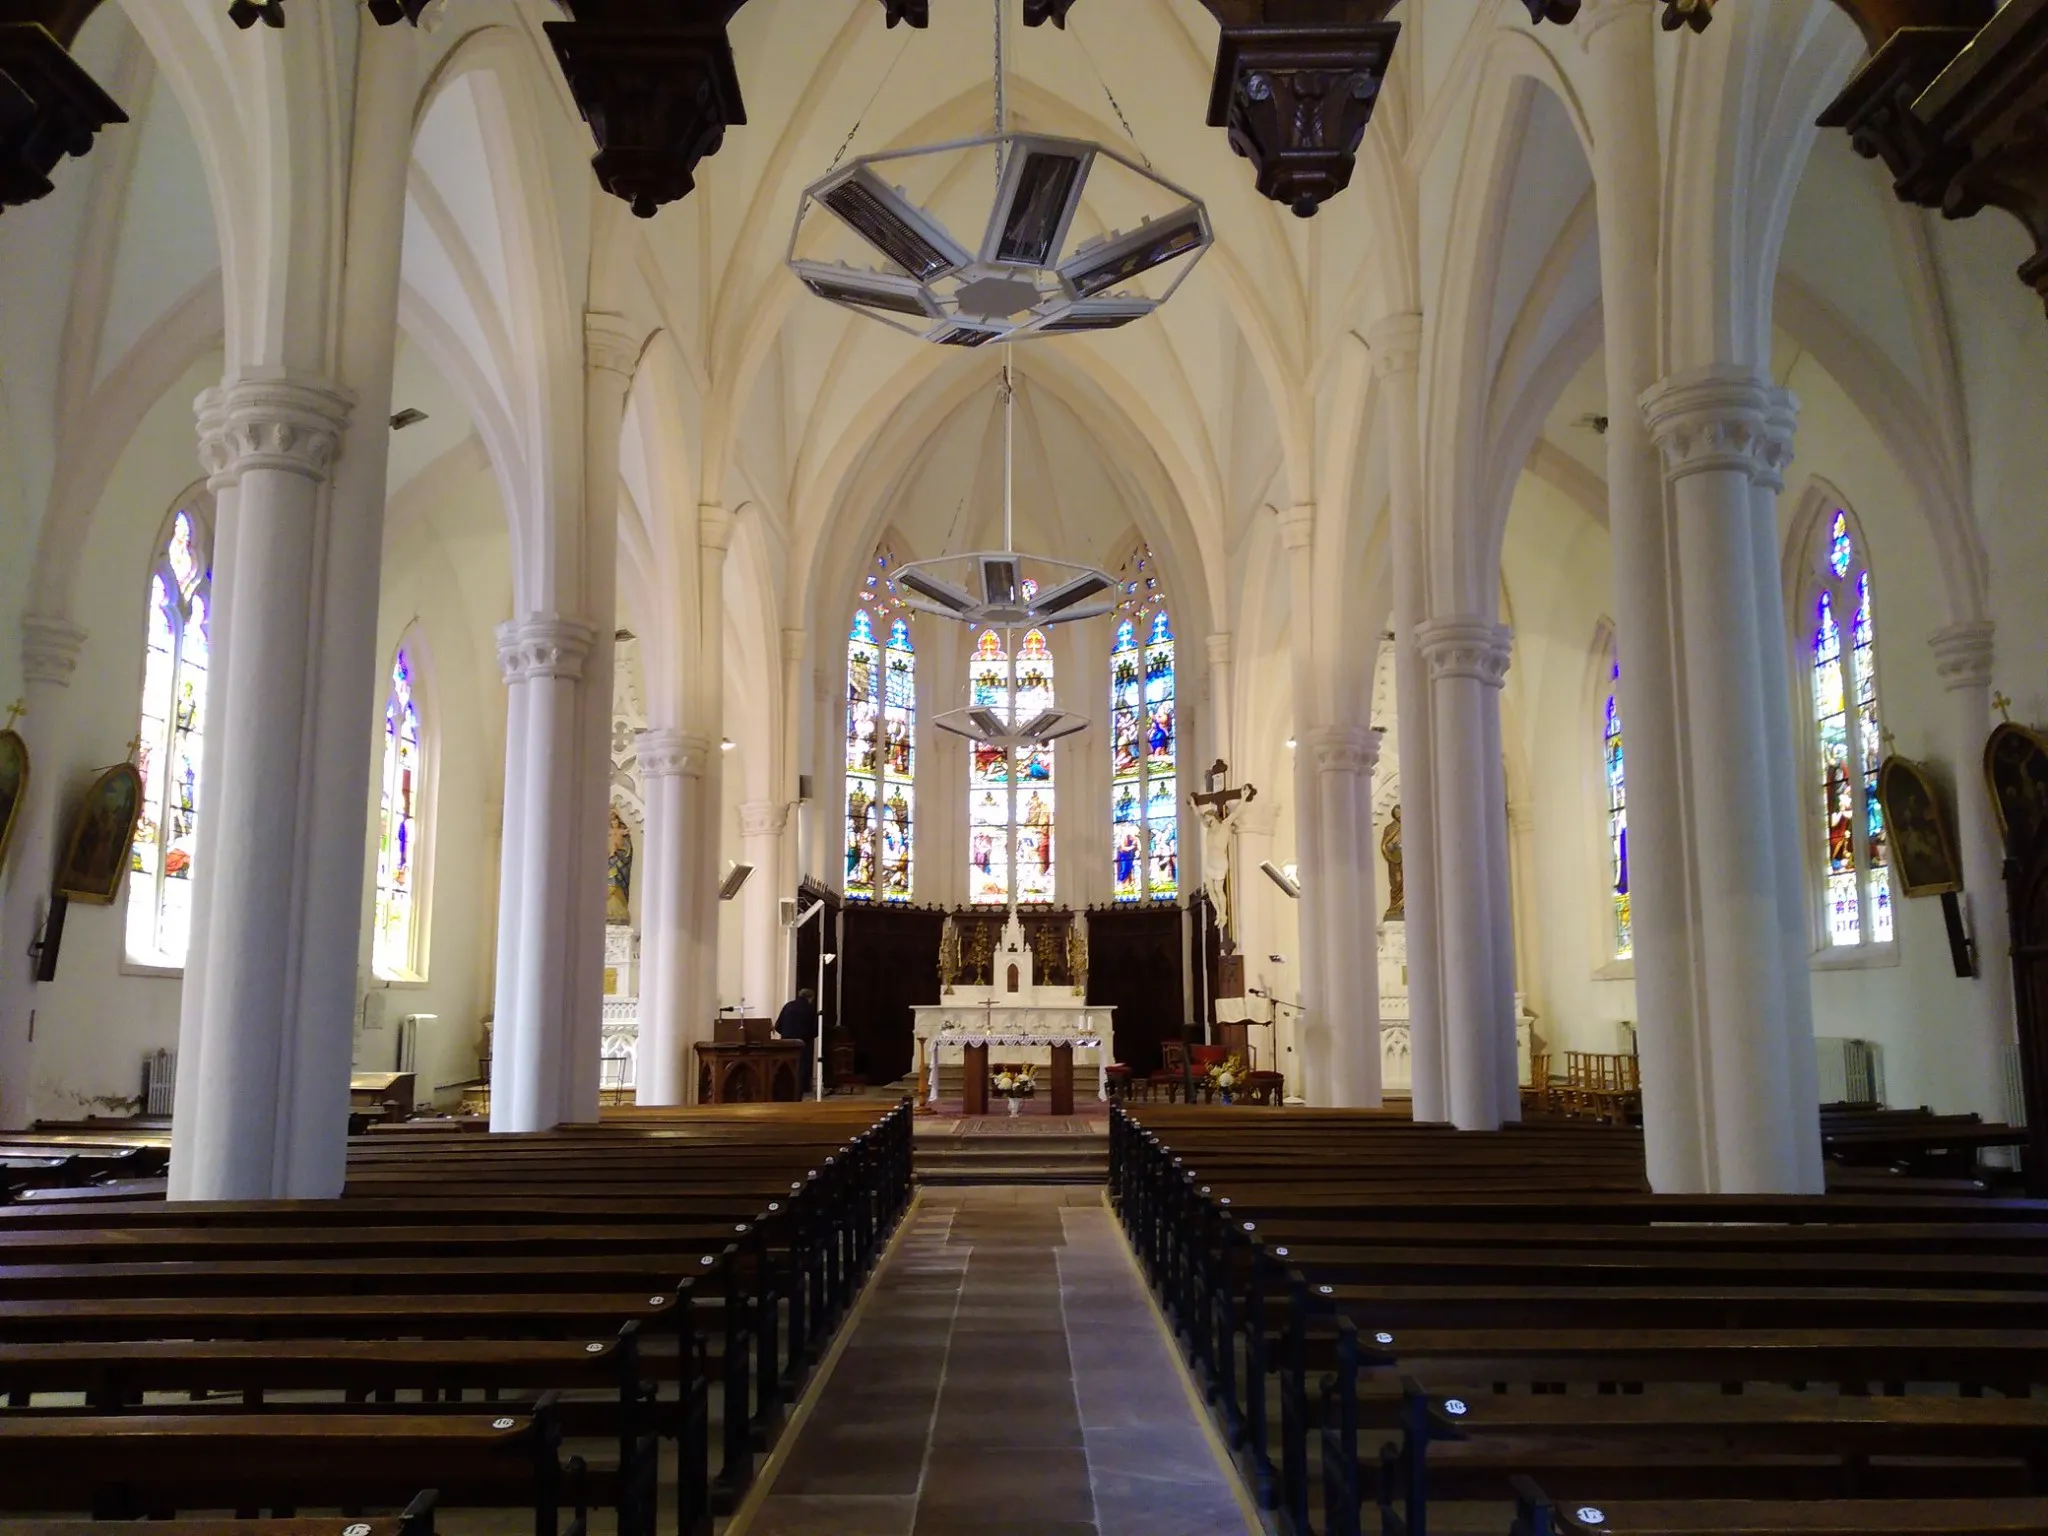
[
  {"x": 2003, "y": 705},
  {"x": 134, "y": 747},
  {"x": 14, "y": 712}
]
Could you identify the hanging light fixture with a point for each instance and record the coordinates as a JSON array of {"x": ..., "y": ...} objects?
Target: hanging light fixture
[{"x": 1024, "y": 273}]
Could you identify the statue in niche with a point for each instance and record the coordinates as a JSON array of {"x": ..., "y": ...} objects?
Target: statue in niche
[
  {"x": 1390, "y": 850},
  {"x": 618, "y": 881}
]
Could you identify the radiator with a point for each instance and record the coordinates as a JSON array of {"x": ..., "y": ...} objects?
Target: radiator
[
  {"x": 1850, "y": 1071},
  {"x": 409, "y": 1029},
  {"x": 159, "y": 1082}
]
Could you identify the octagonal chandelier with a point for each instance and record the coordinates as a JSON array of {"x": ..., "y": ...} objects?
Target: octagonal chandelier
[
  {"x": 1025, "y": 271},
  {"x": 1006, "y": 590}
]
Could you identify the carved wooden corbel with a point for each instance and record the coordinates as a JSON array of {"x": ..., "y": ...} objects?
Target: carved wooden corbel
[
  {"x": 49, "y": 106},
  {"x": 1294, "y": 87}
]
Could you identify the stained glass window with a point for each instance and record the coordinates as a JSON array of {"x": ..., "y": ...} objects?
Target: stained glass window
[
  {"x": 173, "y": 722},
  {"x": 1857, "y": 866},
  {"x": 394, "y": 943},
  {"x": 1144, "y": 808},
  {"x": 1622, "y": 935},
  {"x": 881, "y": 745},
  {"x": 1010, "y": 825}
]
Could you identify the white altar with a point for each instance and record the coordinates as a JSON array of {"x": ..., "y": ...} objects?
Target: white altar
[{"x": 1016, "y": 1014}]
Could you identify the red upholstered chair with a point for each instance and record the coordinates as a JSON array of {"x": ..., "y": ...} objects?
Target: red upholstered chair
[
  {"x": 1119, "y": 1077},
  {"x": 1172, "y": 1056}
]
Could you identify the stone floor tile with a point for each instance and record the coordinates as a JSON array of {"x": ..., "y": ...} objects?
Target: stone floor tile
[
  {"x": 972, "y": 1482},
  {"x": 811, "y": 1515}
]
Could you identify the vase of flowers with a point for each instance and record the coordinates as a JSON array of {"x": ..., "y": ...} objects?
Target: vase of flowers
[
  {"x": 1014, "y": 1084},
  {"x": 1226, "y": 1077}
]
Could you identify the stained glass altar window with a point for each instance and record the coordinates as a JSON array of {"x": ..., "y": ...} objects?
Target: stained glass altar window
[
  {"x": 1144, "y": 829},
  {"x": 1622, "y": 934},
  {"x": 1856, "y": 864},
  {"x": 1010, "y": 827},
  {"x": 174, "y": 677},
  {"x": 394, "y": 945},
  {"x": 881, "y": 744}
]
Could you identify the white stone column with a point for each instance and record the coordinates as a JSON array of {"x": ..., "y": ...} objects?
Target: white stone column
[
  {"x": 796, "y": 691},
  {"x": 532, "y": 1046},
  {"x": 1963, "y": 656},
  {"x": 671, "y": 768},
  {"x": 1711, "y": 426},
  {"x": 1500, "y": 885},
  {"x": 1350, "y": 1023},
  {"x": 1308, "y": 1064},
  {"x": 262, "y": 1104},
  {"x": 1467, "y": 658},
  {"x": 1395, "y": 341},
  {"x": 1621, "y": 102},
  {"x": 1222, "y": 702},
  {"x": 702, "y": 858},
  {"x": 1782, "y": 777},
  {"x": 49, "y": 653},
  {"x": 761, "y": 824}
]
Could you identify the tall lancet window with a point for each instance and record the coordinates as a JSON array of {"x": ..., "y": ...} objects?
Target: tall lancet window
[
  {"x": 1854, "y": 849},
  {"x": 173, "y": 723},
  {"x": 1621, "y": 934},
  {"x": 881, "y": 746},
  {"x": 396, "y": 950},
  {"x": 1010, "y": 825},
  {"x": 1144, "y": 733}
]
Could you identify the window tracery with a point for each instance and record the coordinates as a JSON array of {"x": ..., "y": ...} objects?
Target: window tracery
[{"x": 1144, "y": 738}]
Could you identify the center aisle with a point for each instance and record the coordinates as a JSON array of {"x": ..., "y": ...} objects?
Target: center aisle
[{"x": 1005, "y": 1374}]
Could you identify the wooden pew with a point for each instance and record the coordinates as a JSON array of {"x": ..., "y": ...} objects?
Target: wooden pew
[{"x": 1535, "y": 1515}]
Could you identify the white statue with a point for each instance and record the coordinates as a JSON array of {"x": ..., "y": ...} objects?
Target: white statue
[{"x": 1219, "y": 810}]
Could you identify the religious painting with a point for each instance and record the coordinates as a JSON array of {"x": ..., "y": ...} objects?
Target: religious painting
[
  {"x": 1921, "y": 837},
  {"x": 13, "y": 787},
  {"x": 618, "y": 873},
  {"x": 96, "y": 854},
  {"x": 2016, "y": 771}
]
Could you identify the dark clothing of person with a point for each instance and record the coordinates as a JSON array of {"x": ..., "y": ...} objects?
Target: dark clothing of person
[{"x": 798, "y": 1020}]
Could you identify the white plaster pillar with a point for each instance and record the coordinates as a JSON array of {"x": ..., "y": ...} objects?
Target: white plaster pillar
[
  {"x": 1467, "y": 658},
  {"x": 1222, "y": 703},
  {"x": 1395, "y": 341},
  {"x": 761, "y": 825},
  {"x": 714, "y": 537},
  {"x": 1308, "y": 1064},
  {"x": 1500, "y": 886},
  {"x": 1782, "y": 777},
  {"x": 1260, "y": 928},
  {"x": 49, "y": 654},
  {"x": 1963, "y": 656},
  {"x": 1621, "y": 102},
  {"x": 539, "y": 937},
  {"x": 1350, "y": 1024},
  {"x": 1711, "y": 426},
  {"x": 795, "y": 691},
  {"x": 262, "y": 1104},
  {"x": 671, "y": 769}
]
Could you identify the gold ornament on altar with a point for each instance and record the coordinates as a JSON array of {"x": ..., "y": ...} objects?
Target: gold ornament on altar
[
  {"x": 1077, "y": 959},
  {"x": 949, "y": 955}
]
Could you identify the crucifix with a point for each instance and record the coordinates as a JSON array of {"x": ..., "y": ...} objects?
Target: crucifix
[
  {"x": 14, "y": 712},
  {"x": 1219, "y": 806}
]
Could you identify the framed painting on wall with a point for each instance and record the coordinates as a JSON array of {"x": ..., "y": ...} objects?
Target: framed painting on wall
[
  {"x": 97, "y": 853},
  {"x": 2016, "y": 772},
  {"x": 1923, "y": 847},
  {"x": 13, "y": 787}
]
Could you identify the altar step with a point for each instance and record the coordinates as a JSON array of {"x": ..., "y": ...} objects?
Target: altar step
[{"x": 1012, "y": 1158}]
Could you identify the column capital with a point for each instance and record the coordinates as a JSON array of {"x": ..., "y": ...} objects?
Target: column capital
[
  {"x": 1260, "y": 818},
  {"x": 1781, "y": 426},
  {"x": 285, "y": 424},
  {"x": 543, "y": 646},
  {"x": 1713, "y": 418},
  {"x": 1395, "y": 341},
  {"x": 1466, "y": 647},
  {"x": 666, "y": 753},
  {"x": 1345, "y": 748},
  {"x": 49, "y": 648},
  {"x": 610, "y": 343},
  {"x": 1219, "y": 649},
  {"x": 763, "y": 818},
  {"x": 1963, "y": 653},
  {"x": 1298, "y": 525},
  {"x": 714, "y": 526}
]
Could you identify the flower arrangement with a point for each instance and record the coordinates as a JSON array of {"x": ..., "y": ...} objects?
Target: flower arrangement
[
  {"x": 1227, "y": 1076},
  {"x": 1015, "y": 1082}
]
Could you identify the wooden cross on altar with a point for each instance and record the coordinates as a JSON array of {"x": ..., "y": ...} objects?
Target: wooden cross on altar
[{"x": 1221, "y": 799}]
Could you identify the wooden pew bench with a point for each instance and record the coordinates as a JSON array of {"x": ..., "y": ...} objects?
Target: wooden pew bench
[
  {"x": 133, "y": 1465},
  {"x": 1536, "y": 1515},
  {"x": 416, "y": 1519}
]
